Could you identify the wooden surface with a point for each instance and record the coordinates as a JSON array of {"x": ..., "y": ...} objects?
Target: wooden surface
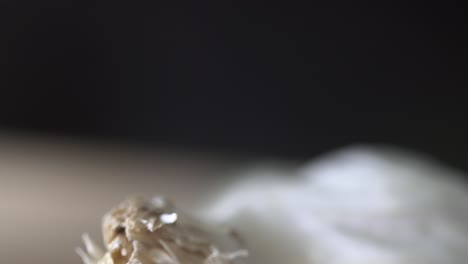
[{"x": 51, "y": 191}]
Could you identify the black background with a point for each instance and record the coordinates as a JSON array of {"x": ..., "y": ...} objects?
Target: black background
[{"x": 289, "y": 80}]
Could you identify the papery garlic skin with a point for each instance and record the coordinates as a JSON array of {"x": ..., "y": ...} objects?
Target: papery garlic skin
[{"x": 362, "y": 205}]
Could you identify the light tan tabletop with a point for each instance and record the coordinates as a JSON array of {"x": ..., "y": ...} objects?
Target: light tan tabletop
[{"x": 53, "y": 190}]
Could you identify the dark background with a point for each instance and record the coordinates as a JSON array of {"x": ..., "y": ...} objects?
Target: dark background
[{"x": 289, "y": 80}]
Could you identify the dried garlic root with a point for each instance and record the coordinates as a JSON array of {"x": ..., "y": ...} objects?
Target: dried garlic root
[{"x": 139, "y": 231}]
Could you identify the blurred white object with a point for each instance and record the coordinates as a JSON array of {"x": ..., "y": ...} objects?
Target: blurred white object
[{"x": 360, "y": 205}]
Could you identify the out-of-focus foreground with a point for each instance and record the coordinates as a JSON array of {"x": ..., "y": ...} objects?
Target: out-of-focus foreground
[{"x": 363, "y": 204}]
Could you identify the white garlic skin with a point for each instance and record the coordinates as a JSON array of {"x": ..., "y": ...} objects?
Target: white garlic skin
[{"x": 362, "y": 205}]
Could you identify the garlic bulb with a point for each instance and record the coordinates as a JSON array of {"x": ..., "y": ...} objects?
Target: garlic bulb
[{"x": 362, "y": 205}]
